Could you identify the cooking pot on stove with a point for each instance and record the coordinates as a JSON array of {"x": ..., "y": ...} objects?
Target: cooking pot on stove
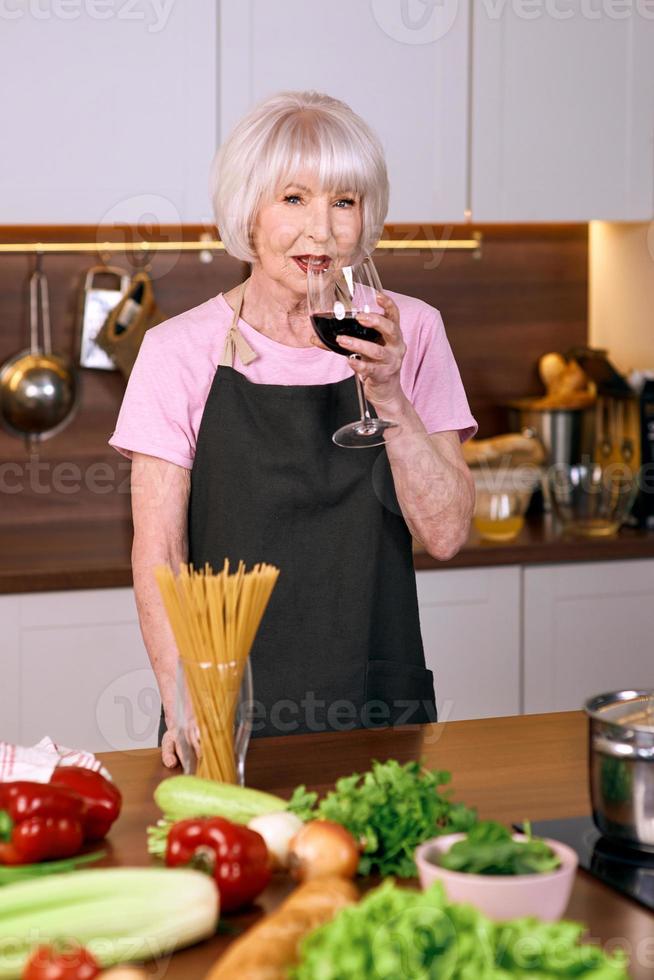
[{"x": 621, "y": 764}]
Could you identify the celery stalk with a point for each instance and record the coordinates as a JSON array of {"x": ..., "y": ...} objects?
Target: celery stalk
[{"x": 119, "y": 914}]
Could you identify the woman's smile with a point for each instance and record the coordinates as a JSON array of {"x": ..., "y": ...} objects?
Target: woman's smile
[{"x": 318, "y": 262}]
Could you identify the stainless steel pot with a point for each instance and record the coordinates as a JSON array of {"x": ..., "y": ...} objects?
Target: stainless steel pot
[
  {"x": 621, "y": 763},
  {"x": 568, "y": 434}
]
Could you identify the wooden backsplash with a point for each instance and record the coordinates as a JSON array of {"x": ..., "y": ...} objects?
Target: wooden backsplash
[{"x": 525, "y": 295}]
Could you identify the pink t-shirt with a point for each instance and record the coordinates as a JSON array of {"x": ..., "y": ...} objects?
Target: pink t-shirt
[{"x": 170, "y": 382}]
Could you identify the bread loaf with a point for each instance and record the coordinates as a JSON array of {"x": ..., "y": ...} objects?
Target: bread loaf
[{"x": 270, "y": 948}]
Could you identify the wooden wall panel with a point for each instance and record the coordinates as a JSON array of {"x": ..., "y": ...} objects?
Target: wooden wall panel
[{"x": 526, "y": 294}]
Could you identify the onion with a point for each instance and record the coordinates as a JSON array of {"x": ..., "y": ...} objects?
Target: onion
[
  {"x": 277, "y": 829},
  {"x": 322, "y": 848}
]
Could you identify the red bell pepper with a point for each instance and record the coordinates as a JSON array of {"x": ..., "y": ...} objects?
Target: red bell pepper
[
  {"x": 103, "y": 799},
  {"x": 235, "y": 856},
  {"x": 38, "y": 822}
]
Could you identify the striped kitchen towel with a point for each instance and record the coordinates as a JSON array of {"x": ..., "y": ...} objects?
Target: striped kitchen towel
[{"x": 36, "y": 763}]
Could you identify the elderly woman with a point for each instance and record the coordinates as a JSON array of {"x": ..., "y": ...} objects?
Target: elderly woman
[{"x": 228, "y": 418}]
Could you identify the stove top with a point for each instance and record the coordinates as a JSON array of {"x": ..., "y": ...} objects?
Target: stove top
[{"x": 626, "y": 869}]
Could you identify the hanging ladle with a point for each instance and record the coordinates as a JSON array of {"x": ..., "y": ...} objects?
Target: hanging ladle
[{"x": 39, "y": 390}]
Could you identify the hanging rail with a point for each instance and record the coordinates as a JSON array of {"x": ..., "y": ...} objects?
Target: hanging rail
[{"x": 472, "y": 244}]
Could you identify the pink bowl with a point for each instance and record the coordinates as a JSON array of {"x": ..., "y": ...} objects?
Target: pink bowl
[{"x": 501, "y": 896}]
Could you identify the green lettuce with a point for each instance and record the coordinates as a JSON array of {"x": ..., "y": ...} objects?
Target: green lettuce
[{"x": 398, "y": 933}]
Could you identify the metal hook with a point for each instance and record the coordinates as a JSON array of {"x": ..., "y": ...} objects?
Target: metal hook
[
  {"x": 40, "y": 309},
  {"x": 142, "y": 258}
]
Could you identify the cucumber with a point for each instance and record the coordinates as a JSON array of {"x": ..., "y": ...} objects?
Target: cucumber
[{"x": 182, "y": 797}]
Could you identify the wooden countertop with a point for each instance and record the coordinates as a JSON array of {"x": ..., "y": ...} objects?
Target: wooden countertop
[
  {"x": 509, "y": 768},
  {"x": 541, "y": 541},
  {"x": 96, "y": 554}
]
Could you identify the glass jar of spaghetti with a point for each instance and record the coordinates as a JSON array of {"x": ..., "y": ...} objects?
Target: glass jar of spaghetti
[{"x": 214, "y": 718}]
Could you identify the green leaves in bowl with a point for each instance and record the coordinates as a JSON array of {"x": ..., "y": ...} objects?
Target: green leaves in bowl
[{"x": 489, "y": 849}]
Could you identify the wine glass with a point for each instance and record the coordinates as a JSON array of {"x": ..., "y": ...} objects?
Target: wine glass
[{"x": 336, "y": 293}]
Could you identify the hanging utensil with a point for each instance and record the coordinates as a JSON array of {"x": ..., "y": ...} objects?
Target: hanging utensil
[
  {"x": 98, "y": 304},
  {"x": 39, "y": 392}
]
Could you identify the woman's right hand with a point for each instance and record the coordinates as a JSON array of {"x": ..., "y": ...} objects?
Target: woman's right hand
[{"x": 170, "y": 755}]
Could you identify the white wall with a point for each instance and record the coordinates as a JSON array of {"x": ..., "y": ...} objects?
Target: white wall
[{"x": 621, "y": 292}]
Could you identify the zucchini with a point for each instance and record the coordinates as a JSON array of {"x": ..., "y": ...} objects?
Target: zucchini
[{"x": 183, "y": 797}]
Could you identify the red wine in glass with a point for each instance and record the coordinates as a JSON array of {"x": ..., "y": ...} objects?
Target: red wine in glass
[
  {"x": 335, "y": 295},
  {"x": 329, "y": 327}
]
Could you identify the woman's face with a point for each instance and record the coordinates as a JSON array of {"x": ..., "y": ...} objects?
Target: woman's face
[{"x": 303, "y": 221}]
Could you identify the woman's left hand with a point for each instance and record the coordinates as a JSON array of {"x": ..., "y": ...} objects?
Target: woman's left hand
[{"x": 379, "y": 367}]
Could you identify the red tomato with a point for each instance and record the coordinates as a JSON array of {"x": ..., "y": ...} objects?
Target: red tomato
[{"x": 65, "y": 961}]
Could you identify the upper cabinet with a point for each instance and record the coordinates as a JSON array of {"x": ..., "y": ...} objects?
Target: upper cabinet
[
  {"x": 563, "y": 111},
  {"x": 402, "y": 66},
  {"x": 108, "y": 112},
  {"x": 521, "y": 111},
  {"x": 501, "y": 110}
]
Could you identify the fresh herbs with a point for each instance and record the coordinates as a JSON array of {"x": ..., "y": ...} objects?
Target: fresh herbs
[
  {"x": 395, "y": 932},
  {"x": 390, "y": 810},
  {"x": 489, "y": 849},
  {"x": 302, "y": 803}
]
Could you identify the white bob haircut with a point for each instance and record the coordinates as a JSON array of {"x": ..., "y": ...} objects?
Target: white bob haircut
[{"x": 287, "y": 133}]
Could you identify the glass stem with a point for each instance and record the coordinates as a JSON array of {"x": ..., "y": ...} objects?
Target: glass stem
[{"x": 363, "y": 404}]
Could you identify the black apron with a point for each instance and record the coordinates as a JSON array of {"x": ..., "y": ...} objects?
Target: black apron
[{"x": 339, "y": 646}]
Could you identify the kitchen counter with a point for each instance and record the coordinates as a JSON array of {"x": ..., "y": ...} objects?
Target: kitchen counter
[
  {"x": 96, "y": 554},
  {"x": 509, "y": 768},
  {"x": 541, "y": 541}
]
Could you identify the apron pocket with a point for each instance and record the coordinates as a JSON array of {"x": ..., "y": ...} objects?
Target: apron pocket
[{"x": 398, "y": 694}]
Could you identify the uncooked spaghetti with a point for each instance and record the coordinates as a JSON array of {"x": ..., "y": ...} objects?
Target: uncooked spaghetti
[{"x": 214, "y": 618}]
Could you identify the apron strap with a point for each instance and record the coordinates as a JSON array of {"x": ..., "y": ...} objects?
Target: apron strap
[{"x": 235, "y": 341}]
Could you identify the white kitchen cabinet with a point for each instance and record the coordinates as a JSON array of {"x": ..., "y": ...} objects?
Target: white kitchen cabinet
[
  {"x": 588, "y": 629},
  {"x": 10, "y": 644},
  {"x": 563, "y": 111},
  {"x": 108, "y": 112},
  {"x": 75, "y": 668},
  {"x": 403, "y": 66},
  {"x": 470, "y": 621}
]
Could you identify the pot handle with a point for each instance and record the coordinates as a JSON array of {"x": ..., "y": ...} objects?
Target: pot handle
[{"x": 622, "y": 750}]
